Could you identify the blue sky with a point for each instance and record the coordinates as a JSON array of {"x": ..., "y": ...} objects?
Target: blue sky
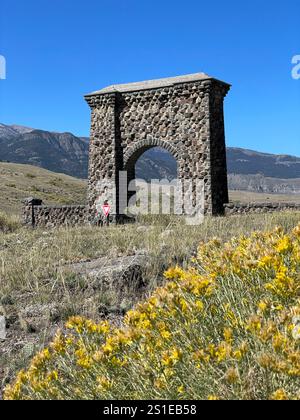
[{"x": 58, "y": 50}]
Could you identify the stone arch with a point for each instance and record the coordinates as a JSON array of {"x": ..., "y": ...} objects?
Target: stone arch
[
  {"x": 133, "y": 153},
  {"x": 184, "y": 115}
]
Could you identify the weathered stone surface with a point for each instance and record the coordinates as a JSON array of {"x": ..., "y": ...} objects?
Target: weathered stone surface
[
  {"x": 153, "y": 84},
  {"x": 240, "y": 208},
  {"x": 106, "y": 273},
  {"x": 54, "y": 216},
  {"x": 182, "y": 115},
  {"x": 2, "y": 328}
]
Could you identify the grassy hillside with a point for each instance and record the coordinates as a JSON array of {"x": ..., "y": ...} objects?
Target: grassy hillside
[
  {"x": 241, "y": 298},
  {"x": 37, "y": 298},
  {"x": 21, "y": 181}
]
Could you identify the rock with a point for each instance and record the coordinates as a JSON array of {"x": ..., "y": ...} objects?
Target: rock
[
  {"x": 2, "y": 328},
  {"x": 39, "y": 310},
  {"x": 118, "y": 274}
]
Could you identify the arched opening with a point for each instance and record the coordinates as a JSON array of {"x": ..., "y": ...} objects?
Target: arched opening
[
  {"x": 156, "y": 163},
  {"x": 152, "y": 171}
]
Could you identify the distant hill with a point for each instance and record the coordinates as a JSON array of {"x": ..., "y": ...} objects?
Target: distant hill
[
  {"x": 248, "y": 170},
  {"x": 239, "y": 162},
  {"x": 246, "y": 162},
  {"x": 156, "y": 164},
  {"x": 65, "y": 153},
  {"x": 263, "y": 172},
  {"x": 9, "y": 131},
  {"x": 57, "y": 152},
  {"x": 21, "y": 181}
]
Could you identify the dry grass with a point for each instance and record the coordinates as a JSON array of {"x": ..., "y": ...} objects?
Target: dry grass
[
  {"x": 252, "y": 197},
  {"x": 33, "y": 271},
  {"x": 9, "y": 223},
  {"x": 21, "y": 181},
  {"x": 226, "y": 327}
]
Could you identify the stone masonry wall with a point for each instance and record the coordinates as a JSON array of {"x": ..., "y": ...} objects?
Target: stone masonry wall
[
  {"x": 186, "y": 119},
  {"x": 250, "y": 208},
  {"x": 54, "y": 216}
]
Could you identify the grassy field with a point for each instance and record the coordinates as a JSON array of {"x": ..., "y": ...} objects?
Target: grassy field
[
  {"x": 251, "y": 197},
  {"x": 38, "y": 293},
  {"x": 22, "y": 181},
  {"x": 226, "y": 327}
]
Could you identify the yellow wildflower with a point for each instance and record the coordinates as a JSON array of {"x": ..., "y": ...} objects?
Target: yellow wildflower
[
  {"x": 279, "y": 395},
  {"x": 104, "y": 383},
  {"x": 262, "y": 306},
  {"x": 228, "y": 334},
  {"x": 180, "y": 389},
  {"x": 213, "y": 398}
]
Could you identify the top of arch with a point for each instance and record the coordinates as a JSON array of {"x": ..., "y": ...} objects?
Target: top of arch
[{"x": 154, "y": 84}]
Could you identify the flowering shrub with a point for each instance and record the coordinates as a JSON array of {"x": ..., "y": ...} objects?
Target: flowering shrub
[{"x": 227, "y": 327}]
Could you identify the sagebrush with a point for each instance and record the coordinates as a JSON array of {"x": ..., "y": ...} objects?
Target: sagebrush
[{"x": 226, "y": 327}]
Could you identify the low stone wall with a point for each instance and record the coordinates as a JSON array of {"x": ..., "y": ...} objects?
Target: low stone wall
[
  {"x": 241, "y": 208},
  {"x": 35, "y": 214},
  {"x": 54, "y": 216}
]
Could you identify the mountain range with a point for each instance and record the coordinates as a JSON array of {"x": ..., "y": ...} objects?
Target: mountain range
[
  {"x": 68, "y": 154},
  {"x": 57, "y": 152}
]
